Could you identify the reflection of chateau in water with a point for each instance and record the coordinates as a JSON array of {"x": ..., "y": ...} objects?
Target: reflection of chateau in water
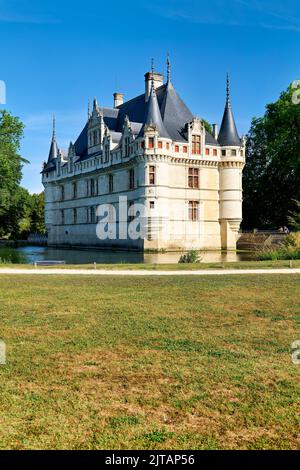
[
  {"x": 152, "y": 150},
  {"x": 32, "y": 254}
]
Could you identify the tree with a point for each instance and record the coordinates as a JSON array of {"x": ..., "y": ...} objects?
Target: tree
[
  {"x": 13, "y": 198},
  {"x": 37, "y": 224},
  {"x": 294, "y": 217},
  {"x": 272, "y": 172}
]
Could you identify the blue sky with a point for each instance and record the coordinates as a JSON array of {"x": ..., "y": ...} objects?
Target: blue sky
[{"x": 56, "y": 55}]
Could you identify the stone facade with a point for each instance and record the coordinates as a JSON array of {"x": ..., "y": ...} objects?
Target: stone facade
[{"x": 188, "y": 180}]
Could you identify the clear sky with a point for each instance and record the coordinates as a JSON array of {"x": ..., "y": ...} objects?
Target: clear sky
[{"x": 58, "y": 54}]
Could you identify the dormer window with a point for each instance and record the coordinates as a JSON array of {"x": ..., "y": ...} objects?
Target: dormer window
[
  {"x": 151, "y": 142},
  {"x": 196, "y": 145},
  {"x": 106, "y": 154},
  {"x": 126, "y": 146},
  {"x": 95, "y": 134}
]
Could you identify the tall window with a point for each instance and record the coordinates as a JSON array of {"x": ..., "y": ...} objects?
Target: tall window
[
  {"x": 93, "y": 187},
  {"x": 126, "y": 146},
  {"x": 62, "y": 193},
  {"x": 131, "y": 178},
  {"x": 193, "y": 211},
  {"x": 152, "y": 175},
  {"x": 75, "y": 216},
  {"x": 194, "y": 178},
  {"x": 151, "y": 142},
  {"x": 62, "y": 217},
  {"x": 74, "y": 185},
  {"x": 110, "y": 183},
  {"x": 215, "y": 153},
  {"x": 130, "y": 211},
  {"x": 196, "y": 144},
  {"x": 93, "y": 215}
]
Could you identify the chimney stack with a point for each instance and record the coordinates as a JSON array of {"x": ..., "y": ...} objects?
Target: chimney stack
[
  {"x": 118, "y": 99},
  {"x": 215, "y": 131},
  {"x": 158, "y": 80}
]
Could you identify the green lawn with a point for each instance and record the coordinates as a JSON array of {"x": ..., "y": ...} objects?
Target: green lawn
[{"x": 150, "y": 363}]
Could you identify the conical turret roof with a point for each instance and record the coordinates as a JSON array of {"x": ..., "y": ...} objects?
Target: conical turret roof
[
  {"x": 153, "y": 115},
  {"x": 228, "y": 133}
]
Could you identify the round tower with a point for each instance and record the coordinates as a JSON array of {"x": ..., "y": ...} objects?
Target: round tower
[{"x": 231, "y": 168}]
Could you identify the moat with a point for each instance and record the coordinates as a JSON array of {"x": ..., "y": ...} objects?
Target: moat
[{"x": 32, "y": 254}]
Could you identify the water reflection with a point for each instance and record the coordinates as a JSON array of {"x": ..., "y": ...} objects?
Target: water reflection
[{"x": 29, "y": 255}]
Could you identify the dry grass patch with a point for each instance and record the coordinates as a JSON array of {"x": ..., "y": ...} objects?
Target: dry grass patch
[{"x": 149, "y": 363}]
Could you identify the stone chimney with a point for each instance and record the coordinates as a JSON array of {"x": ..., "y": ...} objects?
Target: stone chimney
[
  {"x": 215, "y": 131},
  {"x": 118, "y": 99},
  {"x": 158, "y": 81}
]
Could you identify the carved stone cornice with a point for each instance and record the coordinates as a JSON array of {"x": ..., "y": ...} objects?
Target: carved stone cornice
[{"x": 232, "y": 164}]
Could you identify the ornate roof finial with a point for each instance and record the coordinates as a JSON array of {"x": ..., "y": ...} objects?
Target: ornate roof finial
[
  {"x": 152, "y": 72},
  {"x": 54, "y": 127},
  {"x": 169, "y": 67},
  {"x": 228, "y": 91},
  {"x": 89, "y": 110}
]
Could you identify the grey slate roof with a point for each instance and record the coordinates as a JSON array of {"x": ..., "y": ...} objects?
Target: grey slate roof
[
  {"x": 153, "y": 116},
  {"x": 165, "y": 108},
  {"x": 53, "y": 153},
  {"x": 175, "y": 113},
  {"x": 228, "y": 132}
]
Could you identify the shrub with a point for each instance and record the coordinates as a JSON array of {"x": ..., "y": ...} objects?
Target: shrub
[
  {"x": 191, "y": 257},
  {"x": 292, "y": 240}
]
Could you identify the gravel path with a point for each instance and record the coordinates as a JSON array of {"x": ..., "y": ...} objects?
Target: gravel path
[{"x": 107, "y": 272}]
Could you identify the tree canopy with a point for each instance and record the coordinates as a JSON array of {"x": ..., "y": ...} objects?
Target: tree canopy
[
  {"x": 272, "y": 172},
  {"x": 20, "y": 213}
]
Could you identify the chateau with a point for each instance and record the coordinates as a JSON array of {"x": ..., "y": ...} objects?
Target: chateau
[{"x": 150, "y": 150}]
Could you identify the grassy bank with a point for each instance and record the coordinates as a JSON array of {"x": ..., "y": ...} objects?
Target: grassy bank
[
  {"x": 172, "y": 267},
  {"x": 173, "y": 363}
]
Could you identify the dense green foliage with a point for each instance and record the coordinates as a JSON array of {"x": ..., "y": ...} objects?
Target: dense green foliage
[
  {"x": 294, "y": 218},
  {"x": 272, "y": 173},
  {"x": 290, "y": 250},
  {"x": 20, "y": 213}
]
